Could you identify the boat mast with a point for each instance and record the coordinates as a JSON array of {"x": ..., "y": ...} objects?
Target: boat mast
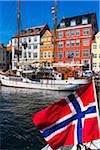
[
  {"x": 55, "y": 21},
  {"x": 18, "y": 30}
]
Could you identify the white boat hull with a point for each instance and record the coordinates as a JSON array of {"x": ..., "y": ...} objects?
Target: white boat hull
[
  {"x": 59, "y": 85},
  {"x": 78, "y": 81},
  {"x": 43, "y": 84}
]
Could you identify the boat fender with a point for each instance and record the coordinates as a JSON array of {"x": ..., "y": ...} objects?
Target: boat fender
[{"x": 70, "y": 74}]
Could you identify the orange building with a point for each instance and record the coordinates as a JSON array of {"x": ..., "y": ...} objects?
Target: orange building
[
  {"x": 46, "y": 50},
  {"x": 74, "y": 37}
]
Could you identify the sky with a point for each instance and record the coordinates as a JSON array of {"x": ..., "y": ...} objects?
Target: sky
[{"x": 37, "y": 13}]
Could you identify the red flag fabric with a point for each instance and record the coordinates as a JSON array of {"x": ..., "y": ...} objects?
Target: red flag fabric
[{"x": 72, "y": 120}]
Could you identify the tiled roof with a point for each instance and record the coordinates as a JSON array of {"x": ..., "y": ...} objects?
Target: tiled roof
[
  {"x": 91, "y": 18},
  {"x": 38, "y": 30}
]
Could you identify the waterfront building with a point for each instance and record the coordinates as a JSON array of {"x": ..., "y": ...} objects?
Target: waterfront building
[
  {"x": 3, "y": 57},
  {"x": 74, "y": 37},
  {"x": 47, "y": 49},
  {"x": 29, "y": 49},
  {"x": 96, "y": 53}
]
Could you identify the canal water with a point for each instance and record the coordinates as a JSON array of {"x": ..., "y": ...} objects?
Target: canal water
[{"x": 17, "y": 131}]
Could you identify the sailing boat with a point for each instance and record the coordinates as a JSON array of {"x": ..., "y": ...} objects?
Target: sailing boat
[{"x": 55, "y": 83}]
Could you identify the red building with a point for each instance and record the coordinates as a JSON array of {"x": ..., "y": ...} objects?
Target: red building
[{"x": 74, "y": 36}]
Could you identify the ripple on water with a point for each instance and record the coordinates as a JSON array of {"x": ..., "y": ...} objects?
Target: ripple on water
[{"x": 16, "y": 108}]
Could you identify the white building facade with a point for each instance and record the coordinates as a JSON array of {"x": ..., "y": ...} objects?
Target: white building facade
[{"x": 29, "y": 50}]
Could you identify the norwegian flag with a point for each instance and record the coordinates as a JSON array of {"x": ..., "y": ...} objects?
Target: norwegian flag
[{"x": 70, "y": 121}]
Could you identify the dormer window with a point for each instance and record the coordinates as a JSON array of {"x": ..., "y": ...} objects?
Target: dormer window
[
  {"x": 37, "y": 30},
  {"x": 73, "y": 23},
  {"x": 29, "y": 31},
  {"x": 62, "y": 24},
  {"x": 23, "y": 31},
  {"x": 85, "y": 21}
]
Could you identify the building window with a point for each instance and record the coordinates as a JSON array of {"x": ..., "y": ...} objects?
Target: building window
[
  {"x": 68, "y": 33},
  {"x": 35, "y": 46},
  {"x": 94, "y": 65},
  {"x": 72, "y": 33},
  {"x": 94, "y": 55},
  {"x": 20, "y": 48},
  {"x": 29, "y": 47},
  {"x": 45, "y": 54},
  {"x": 24, "y": 39},
  {"x": 99, "y": 55},
  {"x": 86, "y": 31},
  {"x": 41, "y": 55},
  {"x": 85, "y": 53},
  {"x": 77, "y": 42},
  {"x": 60, "y": 44},
  {"x": 60, "y": 54},
  {"x": 77, "y": 32},
  {"x": 85, "y": 21},
  {"x": 49, "y": 45},
  {"x": 35, "y": 55},
  {"x": 24, "y": 54},
  {"x": 44, "y": 39},
  {"x": 85, "y": 61},
  {"x": 77, "y": 53},
  {"x": 45, "y": 46},
  {"x": 60, "y": 34},
  {"x": 49, "y": 38},
  {"x": 67, "y": 43},
  {"x": 94, "y": 46},
  {"x": 70, "y": 54},
  {"x": 35, "y": 38},
  {"x": 73, "y": 22},
  {"x": 15, "y": 41},
  {"x": 85, "y": 42},
  {"x": 29, "y": 39},
  {"x": 67, "y": 54},
  {"x": 29, "y": 54},
  {"x": 24, "y": 44},
  {"x": 72, "y": 43},
  {"x": 49, "y": 54}
]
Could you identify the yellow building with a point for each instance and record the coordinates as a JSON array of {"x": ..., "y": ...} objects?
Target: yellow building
[
  {"x": 47, "y": 49},
  {"x": 96, "y": 53}
]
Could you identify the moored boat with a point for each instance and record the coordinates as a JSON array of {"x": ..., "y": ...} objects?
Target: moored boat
[
  {"x": 44, "y": 84},
  {"x": 18, "y": 82}
]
